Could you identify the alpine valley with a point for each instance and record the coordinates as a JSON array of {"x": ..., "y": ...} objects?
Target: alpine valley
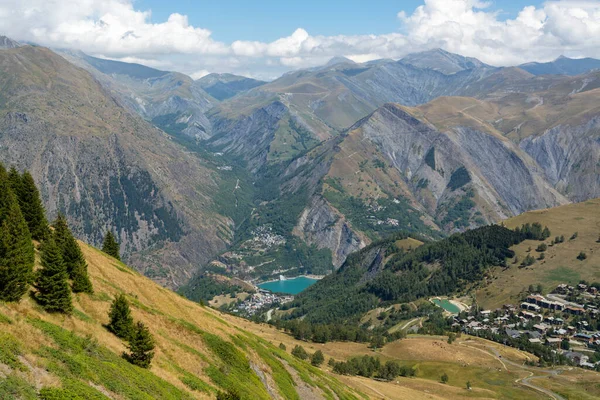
[{"x": 448, "y": 209}]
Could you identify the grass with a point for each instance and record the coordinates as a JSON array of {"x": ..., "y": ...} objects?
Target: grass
[
  {"x": 560, "y": 264},
  {"x": 14, "y": 387},
  {"x": 197, "y": 351}
]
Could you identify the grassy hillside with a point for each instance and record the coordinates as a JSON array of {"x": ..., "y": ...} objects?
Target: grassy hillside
[
  {"x": 198, "y": 352},
  {"x": 560, "y": 264}
]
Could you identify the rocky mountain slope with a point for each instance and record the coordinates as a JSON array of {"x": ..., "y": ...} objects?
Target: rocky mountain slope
[
  {"x": 225, "y": 86},
  {"x": 562, "y": 66},
  {"x": 171, "y": 100},
  {"x": 105, "y": 167}
]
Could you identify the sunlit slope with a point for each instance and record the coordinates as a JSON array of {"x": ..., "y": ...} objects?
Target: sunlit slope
[
  {"x": 197, "y": 352},
  {"x": 560, "y": 264}
]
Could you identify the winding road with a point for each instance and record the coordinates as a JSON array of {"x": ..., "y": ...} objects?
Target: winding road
[{"x": 533, "y": 371}]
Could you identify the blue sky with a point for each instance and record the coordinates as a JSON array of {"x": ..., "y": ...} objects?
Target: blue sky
[
  {"x": 268, "y": 20},
  {"x": 267, "y": 38}
]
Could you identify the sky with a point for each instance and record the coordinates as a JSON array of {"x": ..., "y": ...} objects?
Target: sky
[{"x": 264, "y": 39}]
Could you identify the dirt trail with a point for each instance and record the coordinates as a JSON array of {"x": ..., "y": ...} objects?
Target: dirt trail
[{"x": 534, "y": 372}]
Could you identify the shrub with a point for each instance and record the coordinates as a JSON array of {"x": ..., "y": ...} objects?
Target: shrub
[
  {"x": 299, "y": 352},
  {"x": 317, "y": 358}
]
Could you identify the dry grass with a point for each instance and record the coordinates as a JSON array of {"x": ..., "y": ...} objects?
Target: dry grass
[{"x": 560, "y": 264}]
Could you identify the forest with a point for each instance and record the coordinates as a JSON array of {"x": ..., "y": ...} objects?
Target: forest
[{"x": 383, "y": 273}]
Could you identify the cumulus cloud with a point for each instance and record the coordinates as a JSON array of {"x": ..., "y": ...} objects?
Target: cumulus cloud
[{"x": 116, "y": 29}]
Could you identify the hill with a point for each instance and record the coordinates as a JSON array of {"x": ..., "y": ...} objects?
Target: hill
[
  {"x": 560, "y": 264},
  {"x": 198, "y": 351}
]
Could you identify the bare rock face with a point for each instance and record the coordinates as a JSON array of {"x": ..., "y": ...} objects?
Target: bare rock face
[
  {"x": 439, "y": 166},
  {"x": 106, "y": 168},
  {"x": 569, "y": 157},
  {"x": 248, "y": 137},
  {"x": 321, "y": 225}
]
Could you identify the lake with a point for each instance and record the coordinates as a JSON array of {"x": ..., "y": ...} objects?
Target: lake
[
  {"x": 289, "y": 286},
  {"x": 447, "y": 305}
]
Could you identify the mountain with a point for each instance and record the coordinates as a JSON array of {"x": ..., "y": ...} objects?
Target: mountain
[
  {"x": 170, "y": 100},
  {"x": 8, "y": 43},
  {"x": 563, "y": 66},
  {"x": 106, "y": 168},
  {"x": 224, "y": 86},
  {"x": 442, "y": 61},
  {"x": 431, "y": 168}
]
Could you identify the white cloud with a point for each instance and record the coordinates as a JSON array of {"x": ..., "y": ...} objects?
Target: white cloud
[{"x": 116, "y": 29}]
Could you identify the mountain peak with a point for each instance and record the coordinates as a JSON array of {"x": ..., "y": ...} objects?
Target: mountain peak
[
  {"x": 339, "y": 60},
  {"x": 7, "y": 43},
  {"x": 442, "y": 61}
]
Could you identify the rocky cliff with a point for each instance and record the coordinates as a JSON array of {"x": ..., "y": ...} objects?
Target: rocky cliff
[{"x": 106, "y": 168}]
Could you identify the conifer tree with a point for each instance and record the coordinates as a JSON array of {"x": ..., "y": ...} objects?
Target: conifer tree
[
  {"x": 16, "y": 249},
  {"x": 53, "y": 292},
  {"x": 32, "y": 208},
  {"x": 110, "y": 246},
  {"x": 72, "y": 256},
  {"x": 14, "y": 180},
  {"x": 6, "y": 193},
  {"x": 141, "y": 346},
  {"x": 121, "y": 321}
]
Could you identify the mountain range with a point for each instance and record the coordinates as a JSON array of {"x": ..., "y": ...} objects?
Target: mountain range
[{"x": 291, "y": 176}]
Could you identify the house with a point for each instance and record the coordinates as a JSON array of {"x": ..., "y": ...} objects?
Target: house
[
  {"x": 583, "y": 337},
  {"x": 541, "y": 328},
  {"x": 535, "y": 340},
  {"x": 554, "y": 342},
  {"x": 574, "y": 310},
  {"x": 513, "y": 334},
  {"x": 575, "y": 357}
]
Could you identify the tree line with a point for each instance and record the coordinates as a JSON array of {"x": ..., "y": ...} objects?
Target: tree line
[
  {"x": 63, "y": 269},
  {"x": 367, "y": 280}
]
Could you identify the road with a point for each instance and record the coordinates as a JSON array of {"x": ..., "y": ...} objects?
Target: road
[{"x": 534, "y": 372}]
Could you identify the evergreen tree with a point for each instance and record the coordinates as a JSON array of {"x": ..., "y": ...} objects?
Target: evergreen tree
[
  {"x": 16, "y": 250},
  {"x": 121, "y": 321},
  {"x": 6, "y": 193},
  {"x": 14, "y": 179},
  {"x": 32, "y": 208},
  {"x": 317, "y": 358},
  {"x": 141, "y": 346},
  {"x": 110, "y": 246},
  {"x": 72, "y": 256},
  {"x": 81, "y": 279},
  {"x": 52, "y": 283}
]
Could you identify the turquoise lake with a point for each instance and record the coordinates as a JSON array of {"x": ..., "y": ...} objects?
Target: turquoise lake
[
  {"x": 446, "y": 305},
  {"x": 289, "y": 286}
]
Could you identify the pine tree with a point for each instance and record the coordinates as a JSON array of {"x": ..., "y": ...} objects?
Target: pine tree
[
  {"x": 121, "y": 322},
  {"x": 72, "y": 256},
  {"x": 110, "y": 246},
  {"x": 81, "y": 279},
  {"x": 52, "y": 283},
  {"x": 16, "y": 250},
  {"x": 141, "y": 346},
  {"x": 6, "y": 193},
  {"x": 32, "y": 208},
  {"x": 14, "y": 179}
]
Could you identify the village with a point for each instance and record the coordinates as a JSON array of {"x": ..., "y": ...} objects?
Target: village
[
  {"x": 260, "y": 301},
  {"x": 565, "y": 321}
]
